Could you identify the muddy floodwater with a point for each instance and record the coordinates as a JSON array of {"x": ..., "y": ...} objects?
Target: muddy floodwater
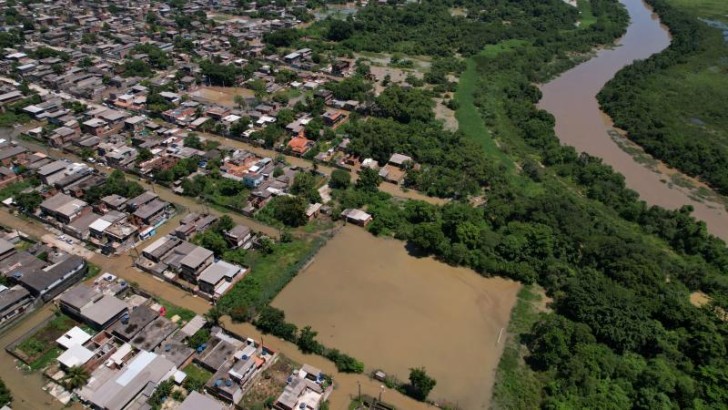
[
  {"x": 571, "y": 98},
  {"x": 369, "y": 298},
  {"x": 26, "y": 388}
]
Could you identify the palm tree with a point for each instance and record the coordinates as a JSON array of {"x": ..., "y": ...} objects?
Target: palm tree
[{"x": 75, "y": 377}]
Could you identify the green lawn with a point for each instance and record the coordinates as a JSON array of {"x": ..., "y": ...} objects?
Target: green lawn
[
  {"x": 40, "y": 348},
  {"x": 196, "y": 377},
  {"x": 173, "y": 310},
  {"x": 587, "y": 17}
]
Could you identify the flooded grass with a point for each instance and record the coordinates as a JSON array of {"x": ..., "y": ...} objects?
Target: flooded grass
[
  {"x": 369, "y": 297},
  {"x": 39, "y": 349},
  {"x": 516, "y": 386},
  {"x": 269, "y": 273}
]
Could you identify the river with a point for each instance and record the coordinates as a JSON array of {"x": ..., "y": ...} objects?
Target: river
[{"x": 571, "y": 98}]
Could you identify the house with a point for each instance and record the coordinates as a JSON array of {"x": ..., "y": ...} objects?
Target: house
[
  {"x": 332, "y": 117},
  {"x": 151, "y": 213},
  {"x": 7, "y": 176},
  {"x": 313, "y": 210},
  {"x": 75, "y": 336},
  {"x": 120, "y": 389},
  {"x": 132, "y": 323},
  {"x": 95, "y": 126},
  {"x": 50, "y": 281},
  {"x": 10, "y": 97},
  {"x": 7, "y": 249},
  {"x": 52, "y": 172},
  {"x": 194, "y": 263},
  {"x": 13, "y": 154},
  {"x": 62, "y": 136},
  {"x": 160, "y": 248},
  {"x": 303, "y": 391},
  {"x": 239, "y": 237},
  {"x": 299, "y": 144},
  {"x": 197, "y": 401},
  {"x": 218, "y": 277},
  {"x": 340, "y": 67},
  {"x": 400, "y": 160},
  {"x": 75, "y": 356},
  {"x": 356, "y": 216},
  {"x": 153, "y": 334},
  {"x": 192, "y": 224},
  {"x": 65, "y": 209},
  {"x": 217, "y": 113},
  {"x": 114, "y": 202},
  {"x": 140, "y": 200},
  {"x": 92, "y": 307},
  {"x": 13, "y": 302}
]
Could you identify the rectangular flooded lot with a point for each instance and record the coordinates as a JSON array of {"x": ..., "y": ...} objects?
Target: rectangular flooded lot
[{"x": 369, "y": 298}]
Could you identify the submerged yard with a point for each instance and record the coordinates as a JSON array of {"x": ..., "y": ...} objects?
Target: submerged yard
[{"x": 370, "y": 298}]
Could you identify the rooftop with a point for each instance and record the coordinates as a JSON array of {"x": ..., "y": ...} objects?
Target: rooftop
[
  {"x": 153, "y": 334},
  {"x": 141, "y": 316},
  {"x": 197, "y": 401},
  {"x": 104, "y": 310},
  {"x": 117, "y": 392}
]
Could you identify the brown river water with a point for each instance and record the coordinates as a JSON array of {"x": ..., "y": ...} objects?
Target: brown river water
[{"x": 571, "y": 98}]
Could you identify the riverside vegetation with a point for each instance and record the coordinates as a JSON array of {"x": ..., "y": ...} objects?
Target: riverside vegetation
[{"x": 674, "y": 103}]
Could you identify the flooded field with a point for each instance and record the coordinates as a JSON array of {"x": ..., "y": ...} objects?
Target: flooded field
[
  {"x": 222, "y": 95},
  {"x": 368, "y": 297}
]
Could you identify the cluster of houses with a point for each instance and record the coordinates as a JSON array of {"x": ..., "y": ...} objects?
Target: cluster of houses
[
  {"x": 194, "y": 267},
  {"x": 128, "y": 346},
  {"x": 111, "y": 223},
  {"x": 33, "y": 276}
]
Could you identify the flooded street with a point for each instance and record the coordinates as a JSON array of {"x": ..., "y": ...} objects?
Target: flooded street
[
  {"x": 370, "y": 298},
  {"x": 571, "y": 98},
  {"x": 26, "y": 388}
]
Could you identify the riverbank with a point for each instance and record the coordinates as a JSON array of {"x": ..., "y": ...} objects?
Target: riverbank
[
  {"x": 674, "y": 104},
  {"x": 580, "y": 123}
]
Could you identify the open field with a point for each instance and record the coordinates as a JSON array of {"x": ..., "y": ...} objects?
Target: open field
[
  {"x": 222, "y": 95},
  {"x": 368, "y": 297}
]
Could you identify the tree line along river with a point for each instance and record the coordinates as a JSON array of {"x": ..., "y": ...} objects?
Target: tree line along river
[{"x": 580, "y": 123}]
